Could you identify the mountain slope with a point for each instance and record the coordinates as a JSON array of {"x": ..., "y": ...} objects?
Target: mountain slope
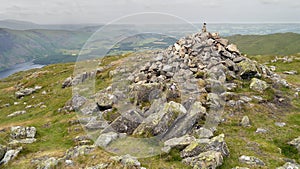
[{"x": 274, "y": 44}]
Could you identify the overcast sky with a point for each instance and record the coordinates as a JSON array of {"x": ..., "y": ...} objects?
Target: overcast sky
[{"x": 104, "y": 11}]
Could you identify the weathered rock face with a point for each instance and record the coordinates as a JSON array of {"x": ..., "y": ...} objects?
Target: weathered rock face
[{"x": 159, "y": 123}]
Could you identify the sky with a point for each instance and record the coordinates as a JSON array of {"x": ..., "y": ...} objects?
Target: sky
[{"x": 107, "y": 11}]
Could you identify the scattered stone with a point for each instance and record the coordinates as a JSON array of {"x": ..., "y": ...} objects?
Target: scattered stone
[
  {"x": 47, "y": 163},
  {"x": 79, "y": 151},
  {"x": 179, "y": 143},
  {"x": 27, "y": 91},
  {"x": 98, "y": 166},
  {"x": 16, "y": 113},
  {"x": 67, "y": 82},
  {"x": 69, "y": 163},
  {"x": 292, "y": 72},
  {"x": 237, "y": 167},
  {"x": 261, "y": 130},
  {"x": 246, "y": 99},
  {"x": 280, "y": 124},
  {"x": 289, "y": 165},
  {"x": 245, "y": 122},
  {"x": 251, "y": 160},
  {"x": 127, "y": 160},
  {"x": 258, "y": 85},
  {"x": 209, "y": 159},
  {"x": 295, "y": 143}
]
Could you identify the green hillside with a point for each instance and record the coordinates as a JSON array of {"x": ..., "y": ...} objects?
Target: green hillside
[{"x": 274, "y": 44}]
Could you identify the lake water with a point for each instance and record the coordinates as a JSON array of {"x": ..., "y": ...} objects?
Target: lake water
[{"x": 17, "y": 68}]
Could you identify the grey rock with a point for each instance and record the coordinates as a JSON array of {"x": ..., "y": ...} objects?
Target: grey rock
[
  {"x": 232, "y": 48},
  {"x": 127, "y": 160},
  {"x": 245, "y": 122},
  {"x": 16, "y": 113},
  {"x": 48, "y": 163},
  {"x": 251, "y": 160},
  {"x": 10, "y": 155},
  {"x": 98, "y": 166},
  {"x": 104, "y": 100},
  {"x": 246, "y": 99},
  {"x": 209, "y": 159},
  {"x": 67, "y": 82},
  {"x": 261, "y": 130},
  {"x": 26, "y": 91},
  {"x": 292, "y": 72},
  {"x": 3, "y": 150},
  {"x": 106, "y": 138},
  {"x": 204, "y": 133},
  {"x": 19, "y": 132},
  {"x": 159, "y": 123},
  {"x": 215, "y": 144},
  {"x": 184, "y": 124},
  {"x": 289, "y": 165},
  {"x": 258, "y": 85},
  {"x": 280, "y": 124},
  {"x": 247, "y": 68},
  {"x": 78, "y": 151},
  {"x": 295, "y": 143},
  {"x": 180, "y": 142}
]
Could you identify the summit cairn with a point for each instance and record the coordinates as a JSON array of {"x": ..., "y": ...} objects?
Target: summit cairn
[{"x": 178, "y": 96}]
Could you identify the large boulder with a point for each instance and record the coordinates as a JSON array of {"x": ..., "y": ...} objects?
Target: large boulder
[
  {"x": 258, "y": 85},
  {"x": 209, "y": 159},
  {"x": 186, "y": 123},
  {"x": 202, "y": 145},
  {"x": 247, "y": 68},
  {"x": 159, "y": 123}
]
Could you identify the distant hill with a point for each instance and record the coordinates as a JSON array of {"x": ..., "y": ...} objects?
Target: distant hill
[
  {"x": 19, "y": 46},
  {"x": 274, "y": 44},
  {"x": 25, "y": 25}
]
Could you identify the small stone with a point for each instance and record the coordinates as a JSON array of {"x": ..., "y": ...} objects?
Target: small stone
[
  {"x": 258, "y": 85},
  {"x": 279, "y": 124},
  {"x": 251, "y": 160},
  {"x": 261, "y": 130},
  {"x": 105, "y": 139},
  {"x": 204, "y": 133},
  {"x": 16, "y": 113},
  {"x": 245, "y": 122}
]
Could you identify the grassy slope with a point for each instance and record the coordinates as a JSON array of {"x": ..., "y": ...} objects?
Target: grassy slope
[{"x": 274, "y": 44}]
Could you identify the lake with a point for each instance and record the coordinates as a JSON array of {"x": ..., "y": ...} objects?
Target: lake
[{"x": 18, "y": 68}]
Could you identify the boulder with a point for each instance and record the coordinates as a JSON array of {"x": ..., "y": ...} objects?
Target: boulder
[
  {"x": 247, "y": 68},
  {"x": 67, "y": 82},
  {"x": 9, "y": 155},
  {"x": 251, "y": 160},
  {"x": 289, "y": 165},
  {"x": 106, "y": 138},
  {"x": 202, "y": 145},
  {"x": 179, "y": 143},
  {"x": 204, "y": 133},
  {"x": 19, "y": 132},
  {"x": 209, "y": 159},
  {"x": 232, "y": 48},
  {"x": 2, "y": 151},
  {"x": 78, "y": 151},
  {"x": 184, "y": 124},
  {"x": 126, "y": 123},
  {"x": 159, "y": 123},
  {"x": 26, "y": 91},
  {"x": 258, "y": 85},
  {"x": 295, "y": 143}
]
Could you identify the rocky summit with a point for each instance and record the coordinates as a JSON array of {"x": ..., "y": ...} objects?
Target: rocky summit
[{"x": 184, "y": 103}]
